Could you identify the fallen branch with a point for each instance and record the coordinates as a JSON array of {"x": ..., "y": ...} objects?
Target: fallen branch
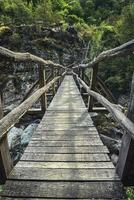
[
  {"x": 122, "y": 50},
  {"x": 10, "y": 119},
  {"x": 26, "y": 57},
  {"x": 119, "y": 116}
]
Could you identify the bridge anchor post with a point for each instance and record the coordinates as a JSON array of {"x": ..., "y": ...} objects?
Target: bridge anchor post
[
  {"x": 6, "y": 164},
  {"x": 92, "y": 86},
  {"x": 125, "y": 166}
]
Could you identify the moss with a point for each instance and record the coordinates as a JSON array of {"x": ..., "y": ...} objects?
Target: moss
[
  {"x": 49, "y": 43},
  {"x": 5, "y": 31},
  {"x": 15, "y": 39}
]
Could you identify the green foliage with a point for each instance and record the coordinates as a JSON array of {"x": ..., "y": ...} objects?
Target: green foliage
[
  {"x": 5, "y": 30},
  {"x": 14, "y": 11},
  {"x": 58, "y": 5},
  {"x": 75, "y": 8},
  {"x": 124, "y": 25},
  {"x": 130, "y": 193}
]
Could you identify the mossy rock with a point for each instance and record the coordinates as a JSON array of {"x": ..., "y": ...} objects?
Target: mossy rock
[
  {"x": 49, "y": 43},
  {"x": 15, "y": 39},
  {"x": 5, "y": 31}
]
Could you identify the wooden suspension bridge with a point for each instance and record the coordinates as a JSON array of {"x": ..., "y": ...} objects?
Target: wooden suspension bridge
[{"x": 65, "y": 158}]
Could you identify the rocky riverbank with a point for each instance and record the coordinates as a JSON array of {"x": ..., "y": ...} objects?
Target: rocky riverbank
[
  {"x": 19, "y": 136},
  {"x": 110, "y": 133}
]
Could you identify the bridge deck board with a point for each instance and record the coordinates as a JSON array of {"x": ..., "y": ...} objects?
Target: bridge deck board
[{"x": 65, "y": 158}]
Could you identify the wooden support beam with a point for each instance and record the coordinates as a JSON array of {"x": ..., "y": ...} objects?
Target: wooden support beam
[
  {"x": 92, "y": 86},
  {"x": 53, "y": 75},
  {"x": 105, "y": 90},
  {"x": 125, "y": 166},
  {"x": 6, "y": 163},
  {"x": 1, "y": 107},
  {"x": 42, "y": 83}
]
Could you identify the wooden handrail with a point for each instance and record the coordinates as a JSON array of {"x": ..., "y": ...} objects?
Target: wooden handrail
[
  {"x": 26, "y": 57},
  {"x": 119, "y": 116},
  {"x": 121, "y": 50},
  {"x": 10, "y": 119}
]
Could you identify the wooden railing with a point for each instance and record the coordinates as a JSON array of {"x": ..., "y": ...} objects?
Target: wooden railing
[
  {"x": 125, "y": 166},
  {"x": 56, "y": 74},
  {"x": 13, "y": 117}
]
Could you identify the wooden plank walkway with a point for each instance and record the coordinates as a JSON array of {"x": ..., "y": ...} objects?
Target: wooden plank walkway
[{"x": 65, "y": 158}]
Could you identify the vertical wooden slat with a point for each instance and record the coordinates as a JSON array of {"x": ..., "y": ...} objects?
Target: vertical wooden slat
[
  {"x": 53, "y": 75},
  {"x": 42, "y": 82},
  {"x": 125, "y": 166},
  {"x": 1, "y": 107},
  {"x": 6, "y": 164},
  {"x": 92, "y": 87}
]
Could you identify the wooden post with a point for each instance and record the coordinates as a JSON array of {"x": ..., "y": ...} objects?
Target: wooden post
[
  {"x": 1, "y": 107},
  {"x": 6, "y": 163},
  {"x": 53, "y": 75},
  {"x": 92, "y": 86},
  {"x": 125, "y": 166},
  {"x": 42, "y": 82},
  {"x": 58, "y": 74},
  {"x": 82, "y": 77}
]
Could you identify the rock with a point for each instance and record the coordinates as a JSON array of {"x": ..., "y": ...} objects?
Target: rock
[
  {"x": 93, "y": 114},
  {"x": 112, "y": 144},
  {"x": 27, "y": 134},
  {"x": 114, "y": 159},
  {"x": 116, "y": 133},
  {"x": 14, "y": 137},
  {"x": 16, "y": 157}
]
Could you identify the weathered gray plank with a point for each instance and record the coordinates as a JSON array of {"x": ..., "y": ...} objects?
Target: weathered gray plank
[
  {"x": 66, "y": 165},
  {"x": 89, "y": 131},
  {"x": 65, "y": 127},
  {"x": 65, "y": 157},
  {"x": 65, "y": 143},
  {"x": 40, "y": 173},
  {"x": 104, "y": 190},
  {"x": 79, "y": 150},
  {"x": 60, "y": 114},
  {"x": 58, "y": 137}
]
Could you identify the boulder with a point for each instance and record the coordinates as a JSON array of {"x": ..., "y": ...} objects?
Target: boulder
[
  {"x": 114, "y": 159},
  {"x": 14, "y": 137},
  {"x": 27, "y": 134},
  {"x": 112, "y": 144}
]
